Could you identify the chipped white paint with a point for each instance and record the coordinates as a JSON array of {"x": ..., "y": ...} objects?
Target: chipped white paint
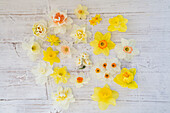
[{"x": 148, "y": 25}]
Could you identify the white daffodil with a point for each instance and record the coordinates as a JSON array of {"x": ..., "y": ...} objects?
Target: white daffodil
[
  {"x": 63, "y": 97},
  {"x": 40, "y": 29},
  {"x": 79, "y": 80},
  {"x": 81, "y": 12},
  {"x": 80, "y": 33},
  {"x": 83, "y": 60},
  {"x": 66, "y": 49},
  {"x": 41, "y": 72},
  {"x": 33, "y": 48},
  {"x": 59, "y": 21},
  {"x": 126, "y": 50},
  {"x": 106, "y": 69}
]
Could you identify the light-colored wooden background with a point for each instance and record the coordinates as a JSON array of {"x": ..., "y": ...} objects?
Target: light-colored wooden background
[{"x": 148, "y": 24}]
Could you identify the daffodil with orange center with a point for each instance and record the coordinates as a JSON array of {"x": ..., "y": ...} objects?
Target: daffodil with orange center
[
  {"x": 51, "y": 56},
  {"x": 105, "y": 96},
  {"x": 102, "y": 43},
  {"x": 126, "y": 78},
  {"x": 60, "y": 75}
]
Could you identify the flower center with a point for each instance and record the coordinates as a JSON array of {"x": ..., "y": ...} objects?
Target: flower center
[
  {"x": 126, "y": 74},
  {"x": 80, "y": 11},
  {"x": 51, "y": 54},
  {"x": 61, "y": 96},
  {"x": 102, "y": 44},
  {"x": 105, "y": 93},
  {"x": 113, "y": 65},
  {"x": 79, "y": 79},
  {"x": 80, "y": 34},
  {"x": 97, "y": 70},
  {"x": 107, "y": 76},
  {"x": 58, "y": 18},
  {"x": 42, "y": 70},
  {"x": 34, "y": 48},
  {"x": 65, "y": 49},
  {"x": 127, "y": 49},
  {"x": 61, "y": 74},
  {"x": 104, "y": 65}
]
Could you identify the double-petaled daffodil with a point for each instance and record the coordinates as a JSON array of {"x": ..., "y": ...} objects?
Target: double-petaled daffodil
[
  {"x": 40, "y": 29},
  {"x": 80, "y": 33},
  {"x": 118, "y": 23},
  {"x": 126, "y": 78},
  {"x": 33, "y": 48},
  {"x": 106, "y": 69},
  {"x": 83, "y": 60},
  {"x": 63, "y": 97},
  {"x": 102, "y": 43},
  {"x": 81, "y": 12},
  {"x": 105, "y": 96},
  {"x": 53, "y": 40},
  {"x": 41, "y": 72},
  {"x": 66, "y": 49},
  {"x": 126, "y": 50},
  {"x": 51, "y": 56},
  {"x": 80, "y": 80},
  {"x": 95, "y": 20},
  {"x": 59, "y": 21},
  {"x": 60, "y": 75}
]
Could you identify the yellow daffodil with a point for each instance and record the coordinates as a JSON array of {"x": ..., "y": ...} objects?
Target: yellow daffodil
[
  {"x": 54, "y": 40},
  {"x": 51, "y": 56},
  {"x": 81, "y": 12},
  {"x": 102, "y": 43},
  {"x": 105, "y": 96},
  {"x": 126, "y": 78},
  {"x": 60, "y": 75},
  {"x": 97, "y": 18},
  {"x": 92, "y": 22},
  {"x": 118, "y": 23}
]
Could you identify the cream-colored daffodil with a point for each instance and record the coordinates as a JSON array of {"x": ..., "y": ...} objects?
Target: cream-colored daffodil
[
  {"x": 63, "y": 97},
  {"x": 83, "y": 61},
  {"x": 41, "y": 72},
  {"x": 60, "y": 75},
  {"x": 80, "y": 80},
  {"x": 105, "y": 96},
  {"x": 33, "y": 48},
  {"x": 59, "y": 22},
  {"x": 80, "y": 33},
  {"x": 102, "y": 43},
  {"x": 40, "y": 29},
  {"x": 126, "y": 50},
  {"x": 81, "y": 12},
  {"x": 126, "y": 78}
]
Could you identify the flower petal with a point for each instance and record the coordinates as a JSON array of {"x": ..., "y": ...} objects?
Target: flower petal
[
  {"x": 94, "y": 43},
  {"x": 98, "y": 36},
  {"x": 111, "y": 45},
  {"x": 103, "y": 106},
  {"x": 97, "y": 51},
  {"x": 106, "y": 36},
  {"x": 133, "y": 85},
  {"x": 105, "y": 51},
  {"x": 133, "y": 70},
  {"x": 112, "y": 28},
  {"x": 123, "y": 28}
]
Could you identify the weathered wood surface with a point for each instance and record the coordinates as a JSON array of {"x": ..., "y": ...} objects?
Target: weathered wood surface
[{"x": 148, "y": 24}]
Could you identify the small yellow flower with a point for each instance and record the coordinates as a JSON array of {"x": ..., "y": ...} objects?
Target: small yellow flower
[
  {"x": 60, "y": 75},
  {"x": 54, "y": 40},
  {"x": 118, "y": 23},
  {"x": 97, "y": 18},
  {"x": 81, "y": 12},
  {"x": 105, "y": 96},
  {"x": 102, "y": 43},
  {"x": 92, "y": 22},
  {"x": 51, "y": 56},
  {"x": 126, "y": 78}
]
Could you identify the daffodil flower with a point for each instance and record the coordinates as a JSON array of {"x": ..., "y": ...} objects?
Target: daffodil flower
[
  {"x": 81, "y": 12},
  {"x": 63, "y": 97},
  {"x": 60, "y": 75},
  {"x": 80, "y": 33},
  {"x": 95, "y": 20},
  {"x": 41, "y": 72},
  {"x": 102, "y": 43},
  {"x": 126, "y": 50},
  {"x": 105, "y": 96},
  {"x": 126, "y": 78},
  {"x": 53, "y": 40},
  {"x": 33, "y": 48}
]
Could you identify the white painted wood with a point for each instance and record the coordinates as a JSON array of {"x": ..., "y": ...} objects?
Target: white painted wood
[{"x": 148, "y": 25}]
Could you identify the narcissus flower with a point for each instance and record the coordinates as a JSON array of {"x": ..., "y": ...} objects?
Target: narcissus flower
[
  {"x": 102, "y": 43},
  {"x": 53, "y": 40},
  {"x": 40, "y": 29},
  {"x": 66, "y": 49},
  {"x": 51, "y": 56},
  {"x": 105, "y": 96},
  {"x": 59, "y": 21},
  {"x": 81, "y": 12},
  {"x": 63, "y": 97},
  {"x": 60, "y": 75},
  {"x": 97, "y": 18},
  {"x": 126, "y": 78},
  {"x": 126, "y": 50},
  {"x": 80, "y": 80},
  {"x": 106, "y": 69},
  {"x": 118, "y": 23},
  {"x": 83, "y": 60},
  {"x": 41, "y": 72},
  {"x": 33, "y": 48},
  {"x": 80, "y": 33}
]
